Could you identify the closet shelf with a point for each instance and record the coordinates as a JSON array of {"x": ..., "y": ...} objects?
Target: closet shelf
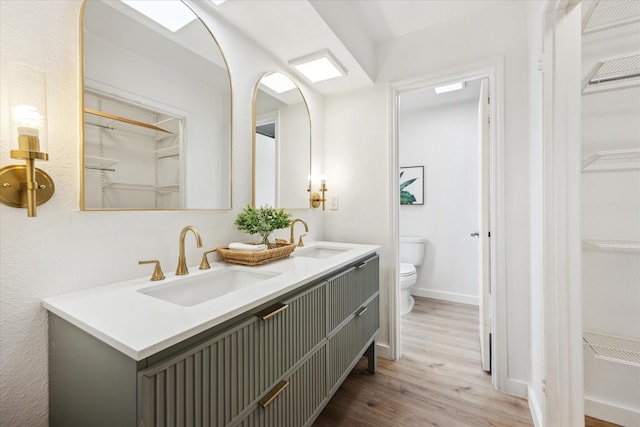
[
  {"x": 121, "y": 119},
  {"x": 609, "y": 14},
  {"x": 171, "y": 188},
  {"x": 613, "y": 73},
  {"x": 99, "y": 163},
  {"x": 612, "y": 245},
  {"x": 169, "y": 152},
  {"x": 612, "y": 348},
  {"x": 612, "y": 160}
]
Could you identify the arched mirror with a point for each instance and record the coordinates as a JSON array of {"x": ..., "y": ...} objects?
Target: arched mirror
[
  {"x": 281, "y": 143},
  {"x": 156, "y": 109}
]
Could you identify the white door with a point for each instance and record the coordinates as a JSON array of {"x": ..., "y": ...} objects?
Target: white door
[{"x": 484, "y": 232}]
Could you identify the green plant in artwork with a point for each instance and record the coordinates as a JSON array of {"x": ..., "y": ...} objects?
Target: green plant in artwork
[{"x": 406, "y": 197}]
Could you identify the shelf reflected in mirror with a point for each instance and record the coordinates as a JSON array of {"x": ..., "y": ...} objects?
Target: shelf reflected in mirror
[{"x": 156, "y": 110}]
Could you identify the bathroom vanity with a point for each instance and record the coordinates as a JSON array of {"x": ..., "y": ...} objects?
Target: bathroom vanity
[{"x": 268, "y": 354}]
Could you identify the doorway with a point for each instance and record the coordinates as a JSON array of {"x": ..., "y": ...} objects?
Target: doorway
[
  {"x": 491, "y": 321},
  {"x": 442, "y": 136}
]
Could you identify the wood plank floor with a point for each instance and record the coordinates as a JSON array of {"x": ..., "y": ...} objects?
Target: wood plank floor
[{"x": 437, "y": 382}]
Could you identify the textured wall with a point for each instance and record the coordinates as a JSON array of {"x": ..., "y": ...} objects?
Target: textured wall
[{"x": 63, "y": 249}]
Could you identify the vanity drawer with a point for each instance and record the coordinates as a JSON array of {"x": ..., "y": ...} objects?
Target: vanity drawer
[
  {"x": 212, "y": 383},
  {"x": 289, "y": 335},
  {"x": 207, "y": 385},
  {"x": 349, "y": 290},
  {"x": 293, "y": 401},
  {"x": 348, "y": 343}
]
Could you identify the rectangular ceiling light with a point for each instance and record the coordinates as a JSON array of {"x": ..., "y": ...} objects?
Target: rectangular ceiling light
[
  {"x": 318, "y": 66},
  {"x": 278, "y": 82},
  {"x": 450, "y": 88},
  {"x": 218, "y": 2},
  {"x": 171, "y": 14}
]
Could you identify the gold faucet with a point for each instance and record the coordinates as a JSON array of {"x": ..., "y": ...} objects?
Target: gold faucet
[
  {"x": 306, "y": 228},
  {"x": 182, "y": 259}
]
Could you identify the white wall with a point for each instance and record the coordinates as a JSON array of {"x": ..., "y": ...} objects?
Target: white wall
[
  {"x": 357, "y": 153},
  {"x": 62, "y": 249},
  {"x": 444, "y": 139}
]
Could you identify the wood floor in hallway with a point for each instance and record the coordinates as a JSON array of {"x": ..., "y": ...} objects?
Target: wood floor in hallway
[{"x": 437, "y": 382}]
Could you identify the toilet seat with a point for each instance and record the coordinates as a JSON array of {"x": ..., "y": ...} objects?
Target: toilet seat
[{"x": 407, "y": 269}]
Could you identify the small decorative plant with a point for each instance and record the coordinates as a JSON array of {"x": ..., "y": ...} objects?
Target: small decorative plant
[{"x": 262, "y": 220}]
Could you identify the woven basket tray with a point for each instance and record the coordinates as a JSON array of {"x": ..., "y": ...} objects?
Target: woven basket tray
[{"x": 279, "y": 251}]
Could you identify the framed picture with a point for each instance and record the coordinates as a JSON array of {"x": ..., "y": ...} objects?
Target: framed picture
[{"x": 412, "y": 185}]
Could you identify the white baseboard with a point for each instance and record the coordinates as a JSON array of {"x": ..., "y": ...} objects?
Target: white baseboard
[
  {"x": 446, "y": 296},
  {"x": 516, "y": 388},
  {"x": 534, "y": 408},
  {"x": 608, "y": 412},
  {"x": 384, "y": 351}
]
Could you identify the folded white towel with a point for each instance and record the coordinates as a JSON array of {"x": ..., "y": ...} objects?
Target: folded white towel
[{"x": 247, "y": 247}]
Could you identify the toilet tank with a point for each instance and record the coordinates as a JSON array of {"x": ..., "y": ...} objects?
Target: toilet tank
[{"x": 412, "y": 249}]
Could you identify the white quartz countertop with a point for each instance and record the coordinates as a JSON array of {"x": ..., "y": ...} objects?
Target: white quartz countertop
[{"x": 140, "y": 325}]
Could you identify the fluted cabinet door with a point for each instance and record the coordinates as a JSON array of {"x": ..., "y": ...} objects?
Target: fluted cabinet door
[
  {"x": 284, "y": 339},
  {"x": 350, "y": 289},
  {"x": 206, "y": 386},
  {"x": 348, "y": 343},
  {"x": 295, "y": 399}
]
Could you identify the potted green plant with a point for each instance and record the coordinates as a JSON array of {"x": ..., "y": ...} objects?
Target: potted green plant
[{"x": 262, "y": 220}]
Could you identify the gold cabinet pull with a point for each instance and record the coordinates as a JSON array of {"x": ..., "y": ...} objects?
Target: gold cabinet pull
[
  {"x": 275, "y": 392},
  {"x": 361, "y": 311},
  {"x": 271, "y": 311}
]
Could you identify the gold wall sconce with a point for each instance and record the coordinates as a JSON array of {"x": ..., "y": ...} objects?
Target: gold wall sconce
[
  {"x": 25, "y": 186},
  {"x": 315, "y": 199}
]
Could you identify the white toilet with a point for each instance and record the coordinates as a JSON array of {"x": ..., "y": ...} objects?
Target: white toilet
[{"x": 411, "y": 254}]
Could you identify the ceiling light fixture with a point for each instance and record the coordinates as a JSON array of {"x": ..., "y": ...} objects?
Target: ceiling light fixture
[
  {"x": 172, "y": 15},
  {"x": 450, "y": 88},
  {"x": 318, "y": 66},
  {"x": 218, "y": 2},
  {"x": 278, "y": 82}
]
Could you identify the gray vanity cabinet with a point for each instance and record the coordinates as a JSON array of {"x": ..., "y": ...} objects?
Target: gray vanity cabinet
[
  {"x": 277, "y": 365},
  {"x": 352, "y": 321},
  {"x": 212, "y": 383}
]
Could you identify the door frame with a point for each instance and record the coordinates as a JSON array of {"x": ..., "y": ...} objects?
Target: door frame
[
  {"x": 562, "y": 355},
  {"x": 493, "y": 69}
]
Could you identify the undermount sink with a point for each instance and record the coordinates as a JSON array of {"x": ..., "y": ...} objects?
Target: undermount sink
[
  {"x": 319, "y": 251},
  {"x": 194, "y": 290}
]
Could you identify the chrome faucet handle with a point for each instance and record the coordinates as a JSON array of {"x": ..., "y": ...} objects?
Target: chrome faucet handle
[
  {"x": 300, "y": 242},
  {"x": 157, "y": 271},
  {"x": 204, "y": 264}
]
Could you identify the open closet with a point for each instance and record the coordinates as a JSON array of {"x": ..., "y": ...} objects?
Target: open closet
[
  {"x": 132, "y": 155},
  {"x": 611, "y": 209}
]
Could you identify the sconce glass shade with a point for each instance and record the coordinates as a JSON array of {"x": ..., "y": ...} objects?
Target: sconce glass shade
[
  {"x": 28, "y": 102},
  {"x": 317, "y": 199}
]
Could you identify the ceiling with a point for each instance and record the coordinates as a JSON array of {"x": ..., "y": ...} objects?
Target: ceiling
[{"x": 349, "y": 29}]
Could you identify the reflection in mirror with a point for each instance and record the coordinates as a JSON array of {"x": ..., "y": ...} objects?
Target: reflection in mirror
[
  {"x": 281, "y": 144},
  {"x": 157, "y": 112}
]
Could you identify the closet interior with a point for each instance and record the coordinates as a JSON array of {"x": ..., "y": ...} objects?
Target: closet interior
[
  {"x": 132, "y": 155},
  {"x": 611, "y": 209}
]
